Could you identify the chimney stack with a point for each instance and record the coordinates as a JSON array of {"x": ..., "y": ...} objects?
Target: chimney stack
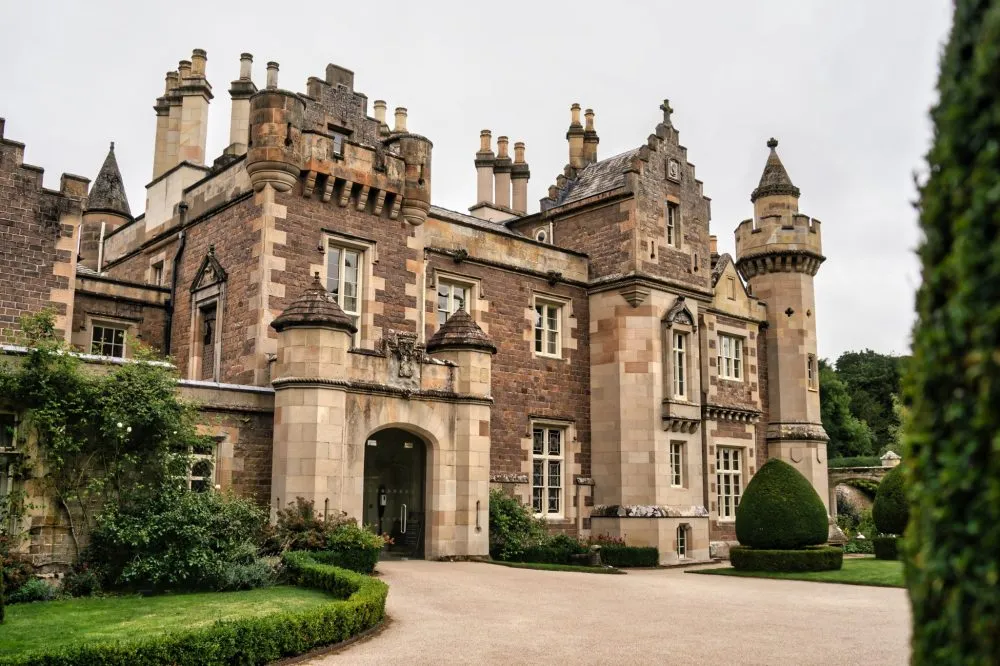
[
  {"x": 590, "y": 139},
  {"x": 400, "y": 127},
  {"x": 575, "y": 137},
  {"x": 519, "y": 180},
  {"x": 196, "y": 93},
  {"x": 501, "y": 173},
  {"x": 380, "y": 107},
  {"x": 484, "y": 168},
  {"x": 272, "y": 75},
  {"x": 167, "y": 126},
  {"x": 241, "y": 90}
]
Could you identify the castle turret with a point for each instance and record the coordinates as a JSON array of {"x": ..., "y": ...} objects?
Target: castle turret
[
  {"x": 274, "y": 156},
  {"x": 107, "y": 209},
  {"x": 779, "y": 252},
  {"x": 416, "y": 153}
]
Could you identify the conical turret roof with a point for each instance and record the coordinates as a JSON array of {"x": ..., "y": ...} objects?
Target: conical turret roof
[
  {"x": 460, "y": 331},
  {"x": 108, "y": 192},
  {"x": 316, "y": 307},
  {"x": 774, "y": 180}
]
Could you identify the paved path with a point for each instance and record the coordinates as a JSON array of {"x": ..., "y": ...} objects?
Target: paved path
[{"x": 472, "y": 613}]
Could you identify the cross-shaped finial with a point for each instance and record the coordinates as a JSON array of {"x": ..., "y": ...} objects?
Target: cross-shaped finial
[
  {"x": 667, "y": 110},
  {"x": 772, "y": 143}
]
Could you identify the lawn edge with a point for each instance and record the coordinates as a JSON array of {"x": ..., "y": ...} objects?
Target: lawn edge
[
  {"x": 540, "y": 566},
  {"x": 719, "y": 571}
]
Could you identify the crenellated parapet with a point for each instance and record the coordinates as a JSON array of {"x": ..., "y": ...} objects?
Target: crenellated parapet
[{"x": 779, "y": 243}]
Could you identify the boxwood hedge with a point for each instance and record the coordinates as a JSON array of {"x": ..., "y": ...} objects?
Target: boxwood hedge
[
  {"x": 886, "y": 547},
  {"x": 820, "y": 558},
  {"x": 258, "y": 640},
  {"x": 630, "y": 556}
]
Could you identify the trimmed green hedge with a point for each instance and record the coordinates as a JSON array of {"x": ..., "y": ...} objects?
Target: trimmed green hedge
[
  {"x": 886, "y": 547},
  {"x": 822, "y": 558},
  {"x": 630, "y": 556},
  {"x": 361, "y": 559},
  {"x": 855, "y": 461},
  {"x": 556, "y": 550},
  {"x": 258, "y": 640},
  {"x": 890, "y": 510},
  {"x": 780, "y": 510}
]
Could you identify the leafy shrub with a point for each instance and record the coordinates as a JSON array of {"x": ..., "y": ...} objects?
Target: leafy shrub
[
  {"x": 859, "y": 547},
  {"x": 17, "y": 570},
  {"x": 35, "y": 589},
  {"x": 246, "y": 641},
  {"x": 300, "y": 527},
  {"x": 179, "y": 540},
  {"x": 886, "y": 547},
  {"x": 248, "y": 576},
  {"x": 867, "y": 486},
  {"x": 780, "y": 509},
  {"x": 855, "y": 461},
  {"x": 890, "y": 510},
  {"x": 820, "y": 558},
  {"x": 557, "y": 549},
  {"x": 82, "y": 581},
  {"x": 352, "y": 547},
  {"x": 513, "y": 527},
  {"x": 629, "y": 556}
]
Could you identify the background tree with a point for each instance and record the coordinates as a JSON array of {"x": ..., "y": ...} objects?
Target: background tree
[
  {"x": 952, "y": 388},
  {"x": 849, "y": 436},
  {"x": 872, "y": 379}
]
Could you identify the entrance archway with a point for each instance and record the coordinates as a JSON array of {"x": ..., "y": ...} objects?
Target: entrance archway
[{"x": 395, "y": 489}]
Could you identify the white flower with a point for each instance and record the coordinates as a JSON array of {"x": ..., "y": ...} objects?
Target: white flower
[
  {"x": 218, "y": 487},
  {"x": 128, "y": 429},
  {"x": 119, "y": 424}
]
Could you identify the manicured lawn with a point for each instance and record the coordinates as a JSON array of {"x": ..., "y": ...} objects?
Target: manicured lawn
[
  {"x": 856, "y": 571},
  {"x": 53, "y": 624},
  {"x": 543, "y": 566}
]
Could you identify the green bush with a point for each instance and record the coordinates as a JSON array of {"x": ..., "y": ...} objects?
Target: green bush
[
  {"x": 819, "y": 558},
  {"x": 868, "y": 487},
  {"x": 855, "y": 461},
  {"x": 352, "y": 547},
  {"x": 35, "y": 589},
  {"x": 886, "y": 547},
  {"x": 250, "y": 641},
  {"x": 952, "y": 384},
  {"x": 300, "y": 527},
  {"x": 178, "y": 540},
  {"x": 513, "y": 527},
  {"x": 624, "y": 557},
  {"x": 82, "y": 581},
  {"x": 890, "y": 510},
  {"x": 555, "y": 550},
  {"x": 859, "y": 547},
  {"x": 780, "y": 510},
  {"x": 247, "y": 576}
]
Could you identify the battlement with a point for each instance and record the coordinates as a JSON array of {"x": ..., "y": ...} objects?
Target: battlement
[
  {"x": 71, "y": 186},
  {"x": 772, "y": 234}
]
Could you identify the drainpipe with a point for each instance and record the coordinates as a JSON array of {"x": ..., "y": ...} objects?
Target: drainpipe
[{"x": 181, "y": 241}]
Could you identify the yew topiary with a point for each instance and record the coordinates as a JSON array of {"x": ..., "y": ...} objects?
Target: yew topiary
[
  {"x": 780, "y": 510},
  {"x": 890, "y": 511}
]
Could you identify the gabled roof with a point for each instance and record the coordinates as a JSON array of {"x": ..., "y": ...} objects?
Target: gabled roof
[
  {"x": 602, "y": 176},
  {"x": 108, "y": 192},
  {"x": 775, "y": 179},
  {"x": 720, "y": 267},
  {"x": 210, "y": 272}
]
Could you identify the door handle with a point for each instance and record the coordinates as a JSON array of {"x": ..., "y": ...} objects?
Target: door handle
[{"x": 402, "y": 518}]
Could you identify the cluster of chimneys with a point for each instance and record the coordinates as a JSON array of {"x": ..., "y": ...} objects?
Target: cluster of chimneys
[
  {"x": 500, "y": 182},
  {"x": 400, "y": 118},
  {"x": 582, "y": 140}
]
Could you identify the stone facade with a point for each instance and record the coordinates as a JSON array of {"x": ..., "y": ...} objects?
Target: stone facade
[{"x": 604, "y": 363}]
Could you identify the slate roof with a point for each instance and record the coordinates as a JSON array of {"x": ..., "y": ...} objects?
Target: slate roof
[
  {"x": 455, "y": 216},
  {"x": 775, "y": 179},
  {"x": 315, "y": 307},
  {"x": 460, "y": 331},
  {"x": 720, "y": 267},
  {"x": 108, "y": 191},
  {"x": 602, "y": 176}
]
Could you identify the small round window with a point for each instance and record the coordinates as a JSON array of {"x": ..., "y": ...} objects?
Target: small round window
[{"x": 541, "y": 236}]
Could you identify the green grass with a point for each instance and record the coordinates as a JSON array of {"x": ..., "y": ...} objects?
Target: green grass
[
  {"x": 541, "y": 566},
  {"x": 54, "y": 624},
  {"x": 856, "y": 571}
]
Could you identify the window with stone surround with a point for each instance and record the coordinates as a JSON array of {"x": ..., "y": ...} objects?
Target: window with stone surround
[
  {"x": 728, "y": 480},
  {"x": 547, "y": 458},
  {"x": 682, "y": 541},
  {"x": 201, "y": 471},
  {"x": 673, "y": 224},
  {"x": 679, "y": 348},
  {"x": 108, "y": 340},
  {"x": 452, "y": 295},
  {"x": 677, "y": 464},
  {"x": 812, "y": 372},
  {"x": 730, "y": 357},
  {"x": 344, "y": 279},
  {"x": 548, "y": 328},
  {"x": 156, "y": 274}
]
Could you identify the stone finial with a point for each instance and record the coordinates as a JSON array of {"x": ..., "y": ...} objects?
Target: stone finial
[
  {"x": 272, "y": 75},
  {"x": 772, "y": 143},
  {"x": 667, "y": 111},
  {"x": 315, "y": 308}
]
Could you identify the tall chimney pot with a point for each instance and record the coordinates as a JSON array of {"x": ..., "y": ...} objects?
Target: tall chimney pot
[{"x": 272, "y": 75}]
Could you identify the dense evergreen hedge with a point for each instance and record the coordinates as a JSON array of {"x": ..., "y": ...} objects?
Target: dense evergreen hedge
[
  {"x": 886, "y": 547},
  {"x": 780, "y": 509},
  {"x": 630, "y": 556},
  {"x": 258, "y": 640},
  {"x": 890, "y": 510},
  {"x": 952, "y": 387},
  {"x": 822, "y": 558}
]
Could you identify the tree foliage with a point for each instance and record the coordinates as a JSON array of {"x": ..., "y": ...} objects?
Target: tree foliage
[
  {"x": 872, "y": 379},
  {"x": 849, "y": 436},
  {"x": 952, "y": 388}
]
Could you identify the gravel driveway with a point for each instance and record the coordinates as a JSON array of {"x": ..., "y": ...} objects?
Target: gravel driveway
[{"x": 473, "y": 613}]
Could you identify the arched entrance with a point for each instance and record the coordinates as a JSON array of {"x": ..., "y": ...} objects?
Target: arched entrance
[{"x": 394, "y": 491}]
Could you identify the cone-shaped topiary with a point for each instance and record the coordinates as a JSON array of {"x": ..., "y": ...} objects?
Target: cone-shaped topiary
[
  {"x": 952, "y": 387},
  {"x": 890, "y": 511},
  {"x": 780, "y": 510}
]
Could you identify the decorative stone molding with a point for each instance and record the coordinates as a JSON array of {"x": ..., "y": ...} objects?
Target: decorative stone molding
[
  {"x": 648, "y": 511},
  {"x": 780, "y": 261},
  {"x": 579, "y": 480},
  {"x": 738, "y": 414},
  {"x": 811, "y": 432},
  {"x": 635, "y": 294},
  {"x": 680, "y": 425},
  {"x": 508, "y": 478},
  {"x": 679, "y": 314}
]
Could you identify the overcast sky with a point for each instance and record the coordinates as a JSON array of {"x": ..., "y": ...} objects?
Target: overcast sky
[{"x": 845, "y": 86}]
